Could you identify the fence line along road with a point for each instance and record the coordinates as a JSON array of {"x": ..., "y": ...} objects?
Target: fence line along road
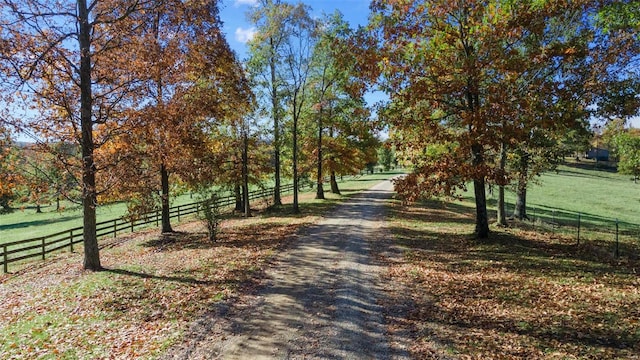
[{"x": 39, "y": 247}]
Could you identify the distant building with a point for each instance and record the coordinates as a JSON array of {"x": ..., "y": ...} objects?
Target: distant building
[{"x": 597, "y": 154}]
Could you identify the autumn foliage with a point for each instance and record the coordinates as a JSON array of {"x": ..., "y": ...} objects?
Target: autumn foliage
[{"x": 468, "y": 78}]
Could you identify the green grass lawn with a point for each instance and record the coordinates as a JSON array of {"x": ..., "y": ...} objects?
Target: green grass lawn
[
  {"x": 25, "y": 223},
  {"x": 600, "y": 196}
]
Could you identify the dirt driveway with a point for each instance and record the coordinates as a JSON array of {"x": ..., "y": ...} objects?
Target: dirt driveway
[{"x": 321, "y": 301}]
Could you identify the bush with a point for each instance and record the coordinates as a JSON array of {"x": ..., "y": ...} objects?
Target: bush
[{"x": 211, "y": 215}]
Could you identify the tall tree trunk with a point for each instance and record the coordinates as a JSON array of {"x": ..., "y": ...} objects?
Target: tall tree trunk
[
  {"x": 237, "y": 190},
  {"x": 319, "y": 187},
  {"x": 502, "y": 214},
  {"x": 164, "y": 180},
  {"x": 296, "y": 208},
  {"x": 89, "y": 195},
  {"x": 334, "y": 183},
  {"x": 520, "y": 211},
  {"x": 245, "y": 173},
  {"x": 482, "y": 218},
  {"x": 277, "y": 200}
]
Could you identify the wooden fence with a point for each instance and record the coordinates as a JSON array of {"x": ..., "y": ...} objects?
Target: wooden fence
[{"x": 41, "y": 246}]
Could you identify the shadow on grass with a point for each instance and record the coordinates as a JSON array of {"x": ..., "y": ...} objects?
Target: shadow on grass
[
  {"x": 591, "y": 166},
  {"x": 315, "y": 208},
  {"x": 42, "y": 222},
  {"x": 252, "y": 236},
  {"x": 179, "y": 279}
]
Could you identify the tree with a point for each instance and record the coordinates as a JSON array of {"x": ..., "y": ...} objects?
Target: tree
[
  {"x": 8, "y": 173},
  {"x": 189, "y": 82},
  {"x": 628, "y": 148},
  {"x": 265, "y": 67},
  {"x": 466, "y": 78},
  {"x": 324, "y": 87},
  {"x": 344, "y": 141},
  {"x": 66, "y": 58},
  {"x": 386, "y": 156},
  {"x": 35, "y": 168}
]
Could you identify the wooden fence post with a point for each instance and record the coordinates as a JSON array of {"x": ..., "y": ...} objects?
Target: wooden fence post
[
  {"x": 115, "y": 227},
  {"x": 579, "y": 216},
  {"x": 5, "y": 258},
  {"x": 617, "y": 242},
  {"x": 71, "y": 240},
  {"x": 43, "y": 244}
]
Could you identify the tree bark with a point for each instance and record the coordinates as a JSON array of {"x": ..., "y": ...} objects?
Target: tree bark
[
  {"x": 520, "y": 211},
  {"x": 334, "y": 183},
  {"x": 237, "y": 190},
  {"x": 164, "y": 179},
  {"x": 277, "y": 200},
  {"x": 89, "y": 195},
  {"x": 482, "y": 218},
  {"x": 296, "y": 207},
  {"x": 245, "y": 173},
  {"x": 502, "y": 214},
  {"x": 319, "y": 187}
]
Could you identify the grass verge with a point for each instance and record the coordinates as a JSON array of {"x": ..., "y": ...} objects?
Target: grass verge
[{"x": 517, "y": 295}]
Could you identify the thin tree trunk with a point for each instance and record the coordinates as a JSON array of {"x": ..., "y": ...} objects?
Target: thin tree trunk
[
  {"x": 502, "y": 214},
  {"x": 296, "y": 208},
  {"x": 89, "y": 195},
  {"x": 245, "y": 174},
  {"x": 277, "y": 200},
  {"x": 164, "y": 180},
  {"x": 237, "y": 190},
  {"x": 319, "y": 187},
  {"x": 520, "y": 211},
  {"x": 482, "y": 218},
  {"x": 334, "y": 183}
]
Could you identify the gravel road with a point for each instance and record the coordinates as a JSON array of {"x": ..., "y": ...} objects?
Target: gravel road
[{"x": 321, "y": 301}]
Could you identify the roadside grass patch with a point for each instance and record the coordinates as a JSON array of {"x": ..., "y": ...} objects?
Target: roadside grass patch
[{"x": 518, "y": 294}]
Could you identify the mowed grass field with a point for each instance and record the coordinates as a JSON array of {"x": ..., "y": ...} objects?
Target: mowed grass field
[
  {"x": 600, "y": 196},
  {"x": 153, "y": 286},
  {"x": 25, "y": 223},
  {"x": 521, "y": 294}
]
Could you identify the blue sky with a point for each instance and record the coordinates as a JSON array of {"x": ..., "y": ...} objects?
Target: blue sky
[{"x": 239, "y": 30}]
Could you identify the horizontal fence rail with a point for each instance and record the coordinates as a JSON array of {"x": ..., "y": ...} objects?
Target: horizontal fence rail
[
  {"x": 618, "y": 238},
  {"x": 39, "y": 247}
]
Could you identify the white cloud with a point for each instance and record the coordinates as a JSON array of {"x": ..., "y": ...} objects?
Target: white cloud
[
  {"x": 245, "y": 2},
  {"x": 244, "y": 35}
]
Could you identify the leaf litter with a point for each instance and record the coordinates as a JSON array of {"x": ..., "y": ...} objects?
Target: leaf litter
[
  {"x": 152, "y": 288},
  {"x": 516, "y": 295}
]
